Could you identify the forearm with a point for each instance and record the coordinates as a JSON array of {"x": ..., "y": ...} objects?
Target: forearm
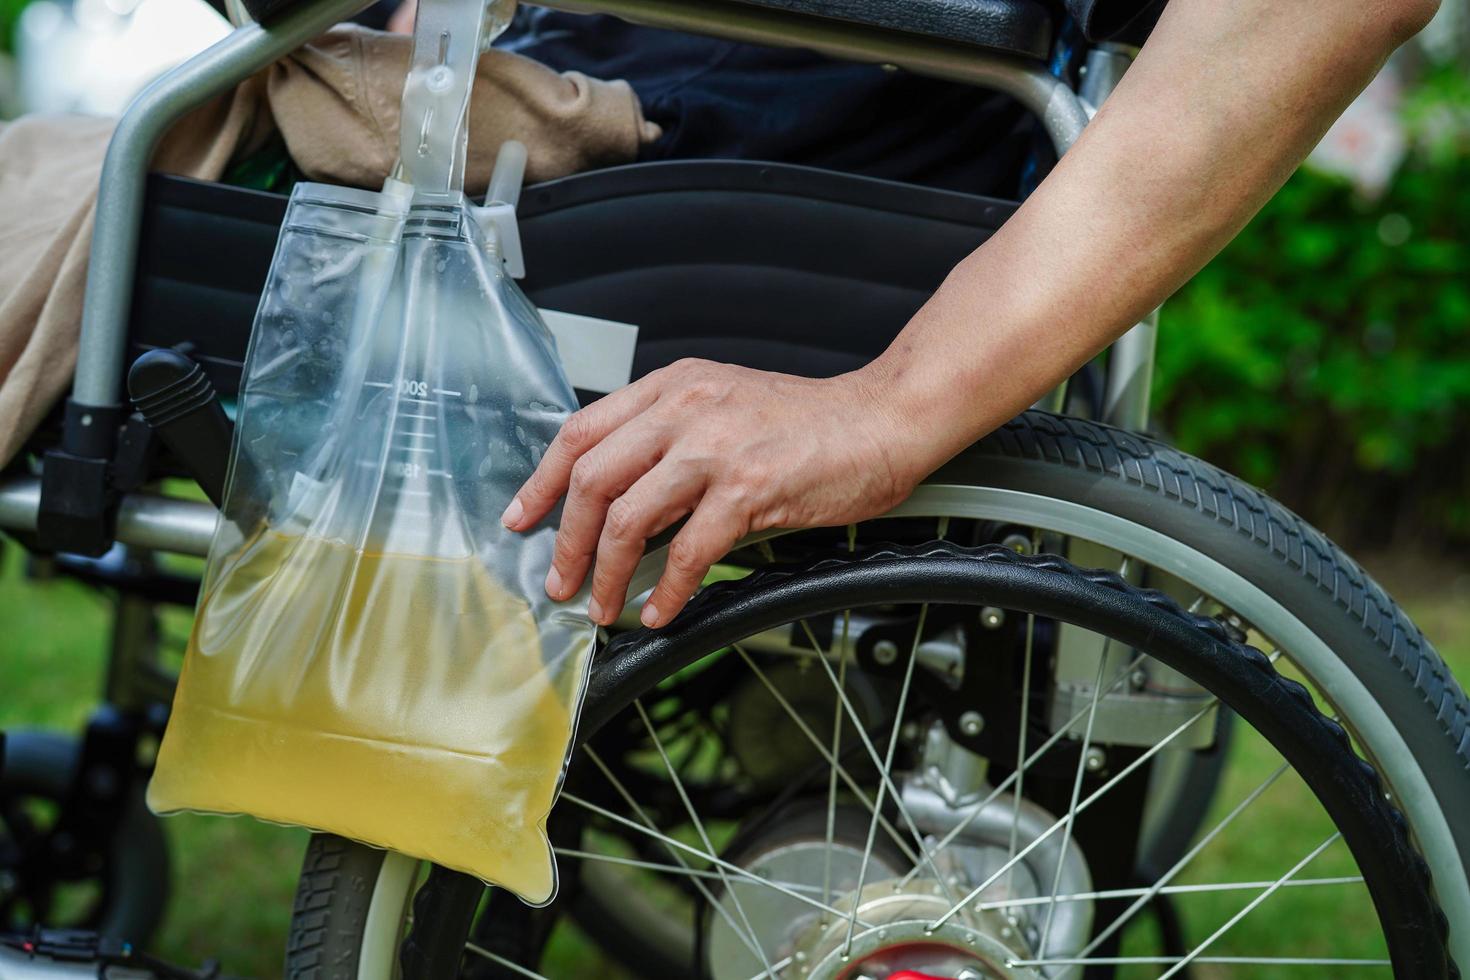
[{"x": 1222, "y": 104}]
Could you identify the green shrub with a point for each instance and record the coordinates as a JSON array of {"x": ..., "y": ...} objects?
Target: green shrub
[{"x": 1326, "y": 353}]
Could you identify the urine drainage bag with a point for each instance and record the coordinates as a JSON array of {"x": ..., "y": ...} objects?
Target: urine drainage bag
[{"x": 374, "y": 655}]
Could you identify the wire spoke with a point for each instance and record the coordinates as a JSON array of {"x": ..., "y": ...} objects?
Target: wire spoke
[
  {"x": 831, "y": 759},
  {"x": 1267, "y": 893},
  {"x": 1224, "y": 886},
  {"x": 1025, "y": 724},
  {"x": 1219, "y": 960},
  {"x": 734, "y": 869},
  {"x": 1071, "y": 817},
  {"x": 1190, "y": 855},
  {"x": 836, "y": 735},
  {"x": 513, "y": 967},
  {"x": 673, "y": 846},
  {"x": 832, "y": 764},
  {"x": 703, "y": 834},
  {"x": 1097, "y": 794},
  {"x": 776, "y": 967},
  {"x": 884, "y": 767},
  {"x": 660, "y": 867},
  {"x": 1030, "y": 760},
  {"x": 883, "y": 770}
]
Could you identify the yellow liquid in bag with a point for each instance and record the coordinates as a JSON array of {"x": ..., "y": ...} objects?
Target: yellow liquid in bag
[{"x": 394, "y": 700}]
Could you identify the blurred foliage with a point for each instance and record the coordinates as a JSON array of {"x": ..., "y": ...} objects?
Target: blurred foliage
[
  {"x": 9, "y": 14},
  {"x": 1325, "y": 354}
]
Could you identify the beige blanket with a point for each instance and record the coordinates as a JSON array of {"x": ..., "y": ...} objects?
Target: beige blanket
[{"x": 335, "y": 103}]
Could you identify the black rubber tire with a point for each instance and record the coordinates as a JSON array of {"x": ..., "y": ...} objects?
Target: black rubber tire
[
  {"x": 330, "y": 911},
  {"x": 42, "y": 764},
  {"x": 1208, "y": 510},
  {"x": 1242, "y": 677}
]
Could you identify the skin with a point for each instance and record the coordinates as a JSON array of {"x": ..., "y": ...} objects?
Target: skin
[{"x": 1225, "y": 100}]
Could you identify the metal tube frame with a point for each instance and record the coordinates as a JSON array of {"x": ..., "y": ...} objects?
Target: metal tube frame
[
  {"x": 114, "y": 253},
  {"x": 164, "y": 524}
]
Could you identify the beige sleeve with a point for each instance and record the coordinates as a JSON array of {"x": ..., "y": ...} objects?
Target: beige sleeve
[
  {"x": 336, "y": 103},
  {"x": 49, "y": 167}
]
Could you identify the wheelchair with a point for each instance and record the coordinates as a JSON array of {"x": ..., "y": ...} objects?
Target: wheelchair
[{"x": 984, "y": 735}]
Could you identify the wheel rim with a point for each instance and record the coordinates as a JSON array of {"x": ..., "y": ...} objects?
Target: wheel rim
[{"x": 1370, "y": 724}]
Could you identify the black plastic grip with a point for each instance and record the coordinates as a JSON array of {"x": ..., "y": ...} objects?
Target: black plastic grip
[{"x": 176, "y": 398}]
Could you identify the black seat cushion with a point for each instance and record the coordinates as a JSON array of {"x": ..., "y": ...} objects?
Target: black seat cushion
[{"x": 775, "y": 267}]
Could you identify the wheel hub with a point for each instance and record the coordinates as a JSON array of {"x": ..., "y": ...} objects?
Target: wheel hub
[
  {"x": 899, "y": 938},
  {"x": 895, "y": 932}
]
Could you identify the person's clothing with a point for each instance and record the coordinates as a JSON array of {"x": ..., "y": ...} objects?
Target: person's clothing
[
  {"x": 335, "y": 104},
  {"x": 722, "y": 99}
]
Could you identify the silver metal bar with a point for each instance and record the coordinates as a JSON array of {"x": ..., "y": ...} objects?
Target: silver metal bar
[
  {"x": 159, "y": 523},
  {"x": 1028, "y": 82},
  {"x": 1131, "y": 375},
  {"x": 125, "y": 171},
  {"x": 1130, "y": 370},
  {"x": 1104, "y": 69}
]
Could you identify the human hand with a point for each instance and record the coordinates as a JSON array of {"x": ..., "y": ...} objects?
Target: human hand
[{"x": 733, "y": 449}]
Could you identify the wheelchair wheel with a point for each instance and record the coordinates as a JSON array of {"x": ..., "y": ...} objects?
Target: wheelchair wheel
[
  {"x": 959, "y": 664},
  {"x": 120, "y": 892}
]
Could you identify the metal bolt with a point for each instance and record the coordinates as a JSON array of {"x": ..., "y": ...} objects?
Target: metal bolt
[
  {"x": 1018, "y": 543},
  {"x": 1096, "y": 759},
  {"x": 992, "y": 618},
  {"x": 1138, "y": 679},
  {"x": 972, "y": 723},
  {"x": 885, "y": 652}
]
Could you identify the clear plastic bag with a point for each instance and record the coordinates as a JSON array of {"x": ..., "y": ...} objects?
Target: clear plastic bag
[{"x": 374, "y": 654}]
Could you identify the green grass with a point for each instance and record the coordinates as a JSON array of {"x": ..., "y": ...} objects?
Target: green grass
[{"x": 232, "y": 879}]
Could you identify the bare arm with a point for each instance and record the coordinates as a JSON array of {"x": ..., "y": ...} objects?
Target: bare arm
[{"x": 1225, "y": 100}]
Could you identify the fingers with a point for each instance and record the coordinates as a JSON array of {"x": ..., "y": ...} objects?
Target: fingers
[
  {"x": 706, "y": 538},
  {"x": 662, "y": 496},
  {"x": 599, "y": 478},
  {"x": 581, "y": 432}
]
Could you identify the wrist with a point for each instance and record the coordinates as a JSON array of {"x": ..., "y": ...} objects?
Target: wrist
[{"x": 890, "y": 400}]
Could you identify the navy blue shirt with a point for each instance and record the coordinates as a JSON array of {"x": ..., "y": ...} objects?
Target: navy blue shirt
[{"x": 722, "y": 99}]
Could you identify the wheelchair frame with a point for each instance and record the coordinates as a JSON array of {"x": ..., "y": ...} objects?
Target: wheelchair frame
[{"x": 168, "y": 524}]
